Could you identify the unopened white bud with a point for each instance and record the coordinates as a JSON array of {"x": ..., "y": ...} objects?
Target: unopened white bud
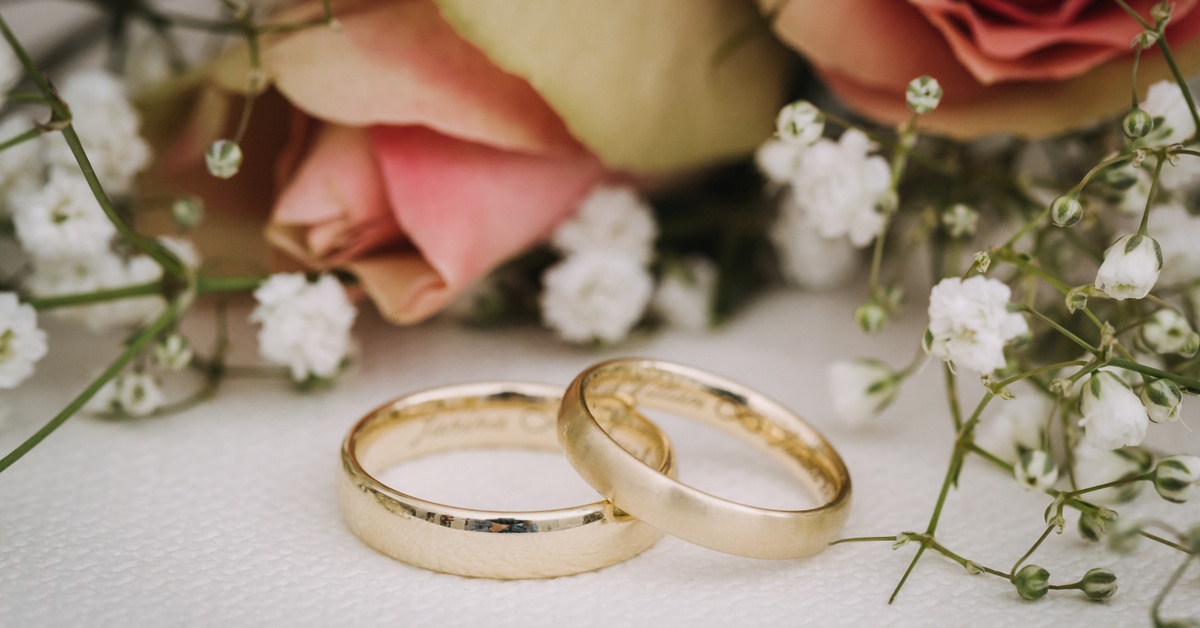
[
  {"x": 1036, "y": 470},
  {"x": 1176, "y": 477},
  {"x": 960, "y": 220},
  {"x": 1163, "y": 400},
  {"x": 800, "y": 123},
  {"x": 1137, "y": 124},
  {"x": 188, "y": 211},
  {"x": 224, "y": 159},
  {"x": 173, "y": 353},
  {"x": 923, "y": 95},
  {"x": 1066, "y": 210},
  {"x": 1168, "y": 331}
]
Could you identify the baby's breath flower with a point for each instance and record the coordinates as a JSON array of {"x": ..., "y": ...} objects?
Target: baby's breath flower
[
  {"x": 842, "y": 186},
  {"x": 1131, "y": 266},
  {"x": 223, "y": 159},
  {"x": 870, "y": 316},
  {"x": 595, "y": 296},
  {"x": 1168, "y": 331},
  {"x": 21, "y": 165},
  {"x": 173, "y": 352},
  {"x": 960, "y": 220},
  {"x": 779, "y": 160},
  {"x": 1178, "y": 233},
  {"x": 1066, "y": 210},
  {"x": 684, "y": 297},
  {"x": 1113, "y": 416},
  {"x": 1168, "y": 107},
  {"x": 108, "y": 127},
  {"x": 969, "y": 322},
  {"x": 1036, "y": 470},
  {"x": 305, "y": 325},
  {"x": 1092, "y": 526},
  {"x": 1098, "y": 584},
  {"x": 1018, "y": 426},
  {"x": 1176, "y": 477},
  {"x": 22, "y": 343},
  {"x": 1094, "y": 467},
  {"x": 611, "y": 219},
  {"x": 800, "y": 123},
  {"x": 1163, "y": 400},
  {"x": 1137, "y": 124},
  {"x": 1032, "y": 582},
  {"x": 923, "y": 94},
  {"x": 807, "y": 258},
  {"x": 138, "y": 394},
  {"x": 861, "y": 389},
  {"x": 63, "y": 220},
  {"x": 188, "y": 211}
]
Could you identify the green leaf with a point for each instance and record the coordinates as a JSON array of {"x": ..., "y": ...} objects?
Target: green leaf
[{"x": 649, "y": 86}]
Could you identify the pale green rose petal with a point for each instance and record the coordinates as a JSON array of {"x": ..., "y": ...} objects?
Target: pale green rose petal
[{"x": 648, "y": 85}]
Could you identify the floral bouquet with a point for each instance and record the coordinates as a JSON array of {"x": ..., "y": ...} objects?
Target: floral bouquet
[{"x": 1036, "y": 163}]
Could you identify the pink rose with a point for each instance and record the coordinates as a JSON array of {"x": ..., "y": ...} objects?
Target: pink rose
[
  {"x": 1030, "y": 67},
  {"x": 413, "y": 161}
]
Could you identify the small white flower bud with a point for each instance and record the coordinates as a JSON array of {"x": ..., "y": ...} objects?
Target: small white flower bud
[
  {"x": 1032, "y": 582},
  {"x": 800, "y": 123},
  {"x": 1168, "y": 331},
  {"x": 861, "y": 389},
  {"x": 1144, "y": 40},
  {"x": 1131, "y": 267},
  {"x": 1098, "y": 584},
  {"x": 923, "y": 95},
  {"x": 188, "y": 211},
  {"x": 173, "y": 353},
  {"x": 960, "y": 220},
  {"x": 1036, "y": 470},
  {"x": 1093, "y": 526},
  {"x": 224, "y": 159},
  {"x": 1066, "y": 210},
  {"x": 1124, "y": 533},
  {"x": 1113, "y": 416},
  {"x": 1137, "y": 124},
  {"x": 1193, "y": 539},
  {"x": 983, "y": 261},
  {"x": 870, "y": 317},
  {"x": 1176, "y": 477},
  {"x": 1161, "y": 12},
  {"x": 1163, "y": 400},
  {"x": 137, "y": 394},
  {"x": 1077, "y": 298}
]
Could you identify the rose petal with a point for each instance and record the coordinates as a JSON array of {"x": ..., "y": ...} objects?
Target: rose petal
[
  {"x": 467, "y": 207},
  {"x": 646, "y": 85},
  {"x": 398, "y": 62}
]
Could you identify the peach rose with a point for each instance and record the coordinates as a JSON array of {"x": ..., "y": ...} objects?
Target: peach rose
[
  {"x": 1029, "y": 67},
  {"x": 424, "y": 143}
]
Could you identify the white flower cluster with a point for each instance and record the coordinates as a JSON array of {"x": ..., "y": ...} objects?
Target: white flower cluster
[
  {"x": 1174, "y": 124},
  {"x": 305, "y": 325},
  {"x": 969, "y": 322},
  {"x": 56, "y": 216},
  {"x": 22, "y": 343},
  {"x": 861, "y": 389},
  {"x": 602, "y": 286},
  {"x": 833, "y": 195}
]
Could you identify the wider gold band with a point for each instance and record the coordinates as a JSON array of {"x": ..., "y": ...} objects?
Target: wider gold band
[
  {"x": 683, "y": 511},
  {"x": 480, "y": 543}
]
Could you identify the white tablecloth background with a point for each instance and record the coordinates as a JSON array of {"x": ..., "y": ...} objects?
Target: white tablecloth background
[{"x": 225, "y": 514}]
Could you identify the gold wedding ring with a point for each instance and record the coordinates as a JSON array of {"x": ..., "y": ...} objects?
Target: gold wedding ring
[
  {"x": 680, "y": 510},
  {"x": 487, "y": 544}
]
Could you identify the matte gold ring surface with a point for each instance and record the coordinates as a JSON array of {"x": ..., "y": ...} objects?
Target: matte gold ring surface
[
  {"x": 619, "y": 386},
  {"x": 488, "y": 544}
]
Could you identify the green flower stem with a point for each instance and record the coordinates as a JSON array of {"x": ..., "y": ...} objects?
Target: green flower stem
[
  {"x": 1149, "y": 475},
  {"x": 1039, "y": 370},
  {"x": 900, "y": 153},
  {"x": 132, "y": 350},
  {"x": 1168, "y": 543},
  {"x": 1059, "y": 328},
  {"x": 990, "y": 457},
  {"x": 888, "y": 143},
  {"x": 966, "y": 564},
  {"x": 1162, "y": 156},
  {"x": 1134, "y": 14},
  {"x": 1137, "y": 58},
  {"x": 1168, "y": 57},
  {"x": 1013, "y": 574},
  {"x": 33, "y": 133},
  {"x": 865, "y": 539},
  {"x": 1154, "y": 608},
  {"x": 60, "y": 119},
  {"x": 215, "y": 285},
  {"x": 141, "y": 290},
  {"x": 1186, "y": 383},
  {"x": 961, "y": 446},
  {"x": 228, "y": 27},
  {"x": 952, "y": 397}
]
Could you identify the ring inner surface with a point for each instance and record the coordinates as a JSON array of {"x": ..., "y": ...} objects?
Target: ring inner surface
[
  {"x": 414, "y": 427},
  {"x": 751, "y": 418}
]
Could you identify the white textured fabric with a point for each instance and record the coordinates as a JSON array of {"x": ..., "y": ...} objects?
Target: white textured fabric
[{"x": 225, "y": 515}]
